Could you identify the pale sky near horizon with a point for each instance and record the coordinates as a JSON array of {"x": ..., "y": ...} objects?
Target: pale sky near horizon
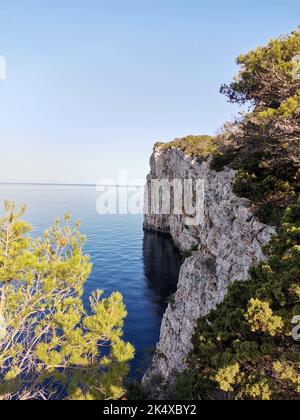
[{"x": 92, "y": 84}]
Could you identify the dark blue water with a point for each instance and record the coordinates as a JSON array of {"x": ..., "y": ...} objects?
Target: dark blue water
[{"x": 144, "y": 267}]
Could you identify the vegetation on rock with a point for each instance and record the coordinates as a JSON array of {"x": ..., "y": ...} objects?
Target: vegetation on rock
[
  {"x": 245, "y": 349},
  {"x": 263, "y": 145},
  {"x": 50, "y": 346},
  {"x": 195, "y": 146}
]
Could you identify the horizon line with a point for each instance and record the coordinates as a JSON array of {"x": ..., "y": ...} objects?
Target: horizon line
[{"x": 64, "y": 184}]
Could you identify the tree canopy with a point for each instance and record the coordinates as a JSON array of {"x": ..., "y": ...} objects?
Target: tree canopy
[
  {"x": 263, "y": 144},
  {"x": 267, "y": 75}
]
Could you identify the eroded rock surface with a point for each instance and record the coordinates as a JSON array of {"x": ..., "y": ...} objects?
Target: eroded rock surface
[{"x": 220, "y": 251}]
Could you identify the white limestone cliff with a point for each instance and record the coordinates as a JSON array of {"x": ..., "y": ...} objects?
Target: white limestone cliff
[{"x": 221, "y": 251}]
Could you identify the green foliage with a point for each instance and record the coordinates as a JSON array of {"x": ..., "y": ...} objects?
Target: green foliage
[
  {"x": 244, "y": 349},
  {"x": 50, "y": 347},
  {"x": 260, "y": 317},
  {"x": 266, "y": 75},
  {"x": 220, "y": 160},
  {"x": 136, "y": 392},
  {"x": 228, "y": 376},
  {"x": 196, "y": 146},
  {"x": 185, "y": 386},
  {"x": 263, "y": 145},
  {"x": 270, "y": 194},
  {"x": 288, "y": 108},
  {"x": 189, "y": 252}
]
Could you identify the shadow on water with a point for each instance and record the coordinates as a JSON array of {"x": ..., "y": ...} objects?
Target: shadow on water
[{"x": 162, "y": 263}]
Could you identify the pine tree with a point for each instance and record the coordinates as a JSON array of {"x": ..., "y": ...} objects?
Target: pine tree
[
  {"x": 263, "y": 144},
  {"x": 51, "y": 346}
]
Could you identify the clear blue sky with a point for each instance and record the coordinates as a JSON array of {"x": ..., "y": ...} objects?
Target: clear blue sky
[{"x": 92, "y": 84}]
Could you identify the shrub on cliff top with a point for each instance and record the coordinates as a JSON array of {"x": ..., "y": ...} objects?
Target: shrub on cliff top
[{"x": 196, "y": 146}]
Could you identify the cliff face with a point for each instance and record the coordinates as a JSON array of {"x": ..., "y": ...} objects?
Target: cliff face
[{"x": 221, "y": 250}]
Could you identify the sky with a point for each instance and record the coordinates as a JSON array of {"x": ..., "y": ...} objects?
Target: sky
[{"x": 91, "y": 85}]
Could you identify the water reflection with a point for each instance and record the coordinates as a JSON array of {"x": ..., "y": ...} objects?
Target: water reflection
[{"x": 161, "y": 266}]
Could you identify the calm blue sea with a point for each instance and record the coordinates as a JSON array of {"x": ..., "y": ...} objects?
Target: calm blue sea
[{"x": 144, "y": 267}]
